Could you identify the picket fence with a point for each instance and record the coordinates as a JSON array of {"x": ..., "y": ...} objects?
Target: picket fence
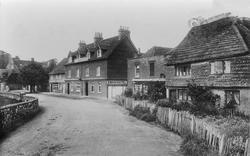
[{"x": 183, "y": 122}]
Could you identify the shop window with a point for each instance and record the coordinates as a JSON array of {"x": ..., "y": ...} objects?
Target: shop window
[
  {"x": 183, "y": 70},
  {"x": 232, "y": 96}
]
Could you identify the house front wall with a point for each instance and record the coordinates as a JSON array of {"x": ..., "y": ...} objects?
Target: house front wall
[{"x": 144, "y": 63}]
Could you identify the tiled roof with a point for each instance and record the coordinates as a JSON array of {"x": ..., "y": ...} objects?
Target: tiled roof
[
  {"x": 107, "y": 46},
  {"x": 223, "y": 38},
  {"x": 157, "y": 51},
  {"x": 60, "y": 68}
]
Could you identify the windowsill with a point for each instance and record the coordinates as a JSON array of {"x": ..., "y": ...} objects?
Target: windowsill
[{"x": 189, "y": 76}]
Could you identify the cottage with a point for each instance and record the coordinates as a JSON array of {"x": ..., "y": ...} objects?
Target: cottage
[
  {"x": 147, "y": 68},
  {"x": 100, "y": 68},
  {"x": 57, "y": 77},
  {"x": 215, "y": 54}
]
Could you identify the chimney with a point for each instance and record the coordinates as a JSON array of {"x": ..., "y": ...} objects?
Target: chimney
[
  {"x": 124, "y": 31},
  {"x": 98, "y": 37},
  {"x": 82, "y": 44}
]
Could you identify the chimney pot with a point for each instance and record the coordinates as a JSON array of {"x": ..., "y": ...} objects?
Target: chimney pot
[
  {"x": 124, "y": 31},
  {"x": 98, "y": 37}
]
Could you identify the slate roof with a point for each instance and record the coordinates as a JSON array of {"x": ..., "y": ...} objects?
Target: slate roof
[
  {"x": 60, "y": 68},
  {"x": 156, "y": 51},
  {"x": 223, "y": 38},
  {"x": 107, "y": 46}
]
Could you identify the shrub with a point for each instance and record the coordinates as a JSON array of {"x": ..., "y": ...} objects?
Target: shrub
[
  {"x": 156, "y": 91},
  {"x": 203, "y": 100},
  {"x": 163, "y": 103},
  {"x": 143, "y": 113},
  {"x": 128, "y": 92},
  {"x": 194, "y": 146},
  {"x": 140, "y": 96}
]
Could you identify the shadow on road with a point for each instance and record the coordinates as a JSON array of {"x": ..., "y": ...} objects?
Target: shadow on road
[{"x": 4, "y": 134}]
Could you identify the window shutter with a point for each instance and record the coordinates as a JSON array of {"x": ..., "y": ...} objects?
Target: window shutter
[
  {"x": 212, "y": 67},
  {"x": 227, "y": 67}
]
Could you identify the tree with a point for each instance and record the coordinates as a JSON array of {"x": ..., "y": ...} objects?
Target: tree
[
  {"x": 156, "y": 91},
  {"x": 34, "y": 75}
]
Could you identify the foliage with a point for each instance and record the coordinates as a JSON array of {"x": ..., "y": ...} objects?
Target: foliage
[
  {"x": 156, "y": 91},
  {"x": 164, "y": 103},
  {"x": 143, "y": 113},
  {"x": 140, "y": 96},
  {"x": 203, "y": 100},
  {"x": 128, "y": 92},
  {"x": 34, "y": 75},
  {"x": 14, "y": 78},
  {"x": 194, "y": 146},
  {"x": 181, "y": 106}
]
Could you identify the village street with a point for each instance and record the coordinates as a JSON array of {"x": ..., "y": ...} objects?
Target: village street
[{"x": 82, "y": 127}]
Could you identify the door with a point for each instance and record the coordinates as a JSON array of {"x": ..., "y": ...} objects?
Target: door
[
  {"x": 86, "y": 88},
  {"x": 172, "y": 95},
  {"x": 68, "y": 88},
  {"x": 113, "y": 91}
]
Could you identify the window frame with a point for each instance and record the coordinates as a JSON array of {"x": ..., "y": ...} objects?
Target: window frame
[
  {"x": 92, "y": 88},
  {"x": 183, "y": 70},
  {"x": 87, "y": 72},
  {"x": 98, "y": 71},
  {"x": 99, "y": 53},
  {"x": 233, "y": 92},
  {"x": 151, "y": 68},
  {"x": 137, "y": 70},
  {"x": 99, "y": 87}
]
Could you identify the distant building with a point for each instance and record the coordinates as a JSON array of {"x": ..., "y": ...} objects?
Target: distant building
[
  {"x": 57, "y": 77},
  {"x": 147, "y": 68},
  {"x": 217, "y": 55},
  {"x": 6, "y": 68},
  {"x": 100, "y": 68}
]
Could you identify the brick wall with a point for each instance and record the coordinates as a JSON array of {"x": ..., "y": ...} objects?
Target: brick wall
[
  {"x": 145, "y": 69},
  {"x": 92, "y": 70},
  {"x": 95, "y": 83}
]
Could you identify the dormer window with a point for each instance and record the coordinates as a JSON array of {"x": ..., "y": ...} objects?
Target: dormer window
[
  {"x": 88, "y": 55},
  {"x": 99, "y": 53}
]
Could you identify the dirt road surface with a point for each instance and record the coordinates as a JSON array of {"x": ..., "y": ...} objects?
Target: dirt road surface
[{"x": 87, "y": 127}]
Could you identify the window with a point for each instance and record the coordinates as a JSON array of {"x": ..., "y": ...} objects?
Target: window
[
  {"x": 69, "y": 74},
  {"x": 92, "y": 88},
  {"x": 78, "y": 72},
  {"x": 87, "y": 72},
  {"x": 98, "y": 71},
  {"x": 99, "y": 53},
  {"x": 99, "y": 87},
  {"x": 220, "y": 67},
  {"x": 88, "y": 55},
  {"x": 183, "y": 70},
  {"x": 137, "y": 71},
  {"x": 232, "y": 96},
  {"x": 151, "y": 68},
  {"x": 182, "y": 94}
]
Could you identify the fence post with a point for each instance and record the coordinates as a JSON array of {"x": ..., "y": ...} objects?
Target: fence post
[
  {"x": 247, "y": 148},
  {"x": 221, "y": 145},
  {"x": 192, "y": 124}
]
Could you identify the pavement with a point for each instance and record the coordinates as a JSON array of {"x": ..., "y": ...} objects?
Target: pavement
[{"x": 87, "y": 127}]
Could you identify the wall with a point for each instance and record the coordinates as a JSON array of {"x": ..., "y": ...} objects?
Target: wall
[
  {"x": 10, "y": 114},
  {"x": 200, "y": 72},
  {"x": 104, "y": 88},
  {"x": 92, "y": 70},
  {"x": 245, "y": 101},
  {"x": 144, "y": 68},
  {"x": 117, "y": 62}
]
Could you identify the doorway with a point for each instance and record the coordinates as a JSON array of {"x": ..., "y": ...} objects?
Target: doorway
[
  {"x": 172, "y": 95},
  {"x": 68, "y": 88},
  {"x": 86, "y": 88}
]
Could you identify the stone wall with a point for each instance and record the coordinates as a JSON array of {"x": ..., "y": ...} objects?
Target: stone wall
[{"x": 12, "y": 113}]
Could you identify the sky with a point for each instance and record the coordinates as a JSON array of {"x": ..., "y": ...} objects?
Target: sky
[{"x": 46, "y": 29}]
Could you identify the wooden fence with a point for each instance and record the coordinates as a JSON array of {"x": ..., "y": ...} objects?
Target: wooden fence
[{"x": 183, "y": 122}]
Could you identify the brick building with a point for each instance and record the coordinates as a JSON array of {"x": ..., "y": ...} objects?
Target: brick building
[
  {"x": 147, "y": 68},
  {"x": 57, "y": 77},
  {"x": 215, "y": 54},
  {"x": 100, "y": 68}
]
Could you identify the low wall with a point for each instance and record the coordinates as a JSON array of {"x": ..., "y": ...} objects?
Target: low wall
[{"x": 12, "y": 113}]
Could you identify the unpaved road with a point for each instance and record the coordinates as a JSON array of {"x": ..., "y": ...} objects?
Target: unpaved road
[{"x": 87, "y": 127}]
